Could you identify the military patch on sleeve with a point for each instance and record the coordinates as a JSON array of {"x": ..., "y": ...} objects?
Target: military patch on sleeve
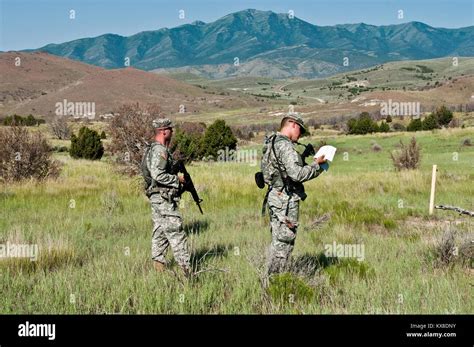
[
  {"x": 160, "y": 156},
  {"x": 162, "y": 160}
]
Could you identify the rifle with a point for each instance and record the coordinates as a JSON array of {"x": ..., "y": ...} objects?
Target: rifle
[
  {"x": 308, "y": 150},
  {"x": 454, "y": 208},
  {"x": 188, "y": 186}
]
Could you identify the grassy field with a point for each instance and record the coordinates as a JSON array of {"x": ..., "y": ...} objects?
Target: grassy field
[
  {"x": 93, "y": 228},
  {"x": 408, "y": 75}
]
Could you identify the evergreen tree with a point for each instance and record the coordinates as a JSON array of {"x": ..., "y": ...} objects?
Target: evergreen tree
[
  {"x": 87, "y": 144},
  {"x": 415, "y": 125},
  {"x": 217, "y": 137}
]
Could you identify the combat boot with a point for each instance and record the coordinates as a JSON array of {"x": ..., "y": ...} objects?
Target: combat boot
[{"x": 159, "y": 267}]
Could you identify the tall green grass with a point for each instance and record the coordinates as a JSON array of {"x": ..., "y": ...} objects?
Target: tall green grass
[{"x": 93, "y": 227}]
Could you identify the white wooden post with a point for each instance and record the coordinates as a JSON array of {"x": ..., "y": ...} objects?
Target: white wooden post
[{"x": 433, "y": 185}]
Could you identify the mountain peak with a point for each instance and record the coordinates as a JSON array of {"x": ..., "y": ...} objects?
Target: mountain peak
[
  {"x": 418, "y": 25},
  {"x": 251, "y": 12},
  {"x": 198, "y": 22}
]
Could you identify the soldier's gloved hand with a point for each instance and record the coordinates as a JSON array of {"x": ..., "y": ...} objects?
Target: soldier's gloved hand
[
  {"x": 308, "y": 151},
  {"x": 181, "y": 179}
]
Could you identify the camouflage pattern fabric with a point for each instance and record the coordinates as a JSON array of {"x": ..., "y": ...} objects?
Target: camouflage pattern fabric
[
  {"x": 167, "y": 221},
  {"x": 283, "y": 201}
]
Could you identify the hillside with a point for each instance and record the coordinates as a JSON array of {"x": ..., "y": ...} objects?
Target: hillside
[
  {"x": 42, "y": 80},
  {"x": 430, "y": 82}
]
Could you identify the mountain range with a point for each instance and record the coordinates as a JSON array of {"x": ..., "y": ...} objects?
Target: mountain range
[{"x": 267, "y": 44}]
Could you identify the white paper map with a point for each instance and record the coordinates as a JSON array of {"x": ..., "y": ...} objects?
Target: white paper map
[{"x": 327, "y": 151}]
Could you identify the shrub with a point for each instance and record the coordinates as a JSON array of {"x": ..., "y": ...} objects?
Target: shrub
[
  {"x": 217, "y": 137},
  {"x": 87, "y": 145},
  {"x": 60, "y": 128},
  {"x": 384, "y": 127},
  {"x": 130, "y": 130},
  {"x": 111, "y": 203},
  {"x": 286, "y": 287},
  {"x": 389, "y": 224},
  {"x": 443, "y": 115},
  {"x": 187, "y": 141},
  {"x": 376, "y": 147},
  {"x": 24, "y": 121},
  {"x": 453, "y": 248},
  {"x": 363, "y": 125},
  {"x": 430, "y": 123},
  {"x": 445, "y": 250},
  {"x": 415, "y": 125},
  {"x": 398, "y": 127},
  {"x": 25, "y": 155},
  {"x": 466, "y": 251},
  {"x": 409, "y": 156}
]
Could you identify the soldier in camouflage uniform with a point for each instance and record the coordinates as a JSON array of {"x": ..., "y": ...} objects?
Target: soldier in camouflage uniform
[
  {"x": 164, "y": 198},
  {"x": 287, "y": 174}
]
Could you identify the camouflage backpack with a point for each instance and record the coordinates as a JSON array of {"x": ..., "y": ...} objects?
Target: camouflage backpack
[
  {"x": 266, "y": 166},
  {"x": 149, "y": 182},
  {"x": 268, "y": 169}
]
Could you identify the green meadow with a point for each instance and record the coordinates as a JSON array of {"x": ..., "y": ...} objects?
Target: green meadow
[{"x": 93, "y": 229}]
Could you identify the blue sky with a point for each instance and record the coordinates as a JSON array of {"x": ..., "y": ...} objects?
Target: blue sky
[{"x": 35, "y": 23}]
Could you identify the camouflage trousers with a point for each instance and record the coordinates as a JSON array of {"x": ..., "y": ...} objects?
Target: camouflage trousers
[
  {"x": 168, "y": 231},
  {"x": 284, "y": 211}
]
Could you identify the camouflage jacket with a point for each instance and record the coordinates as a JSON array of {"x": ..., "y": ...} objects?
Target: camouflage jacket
[
  {"x": 292, "y": 167},
  {"x": 159, "y": 164}
]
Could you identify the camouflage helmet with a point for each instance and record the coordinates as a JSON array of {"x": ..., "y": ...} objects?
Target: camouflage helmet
[
  {"x": 297, "y": 119},
  {"x": 162, "y": 123}
]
